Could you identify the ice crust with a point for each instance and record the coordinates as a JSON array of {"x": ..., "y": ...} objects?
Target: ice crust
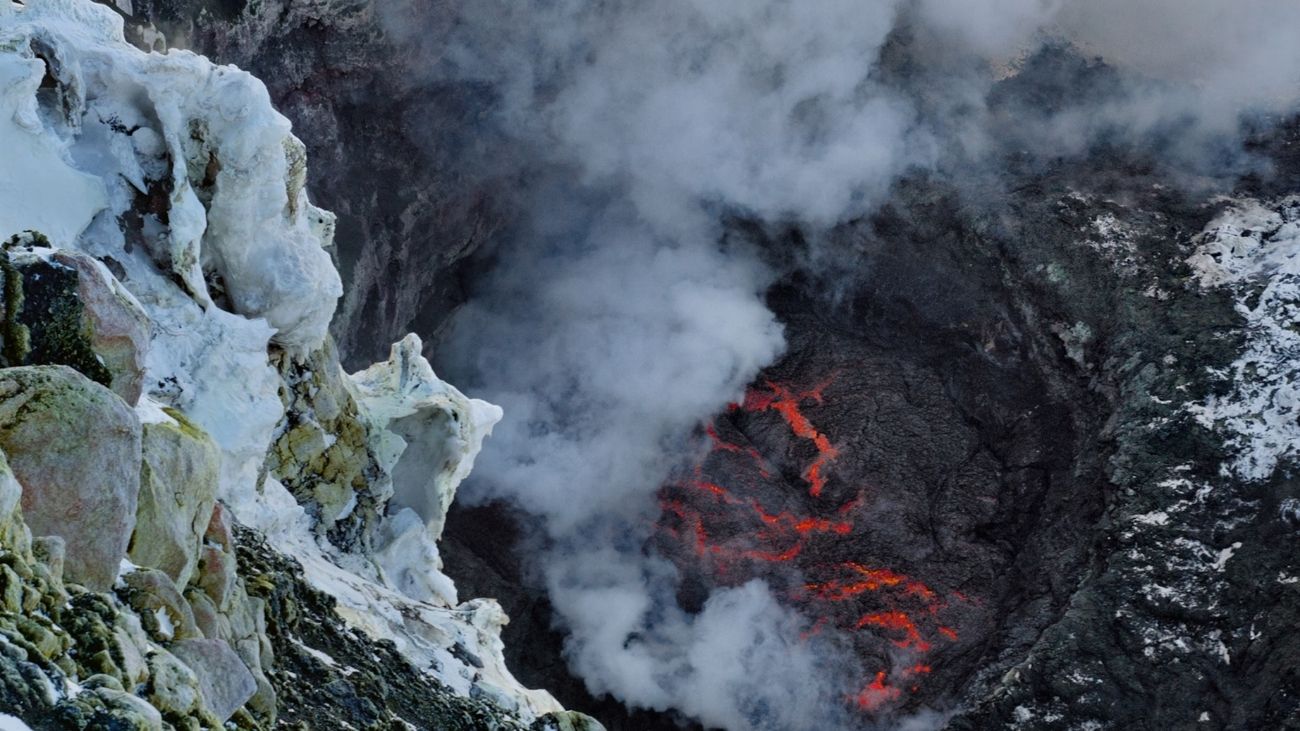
[{"x": 179, "y": 176}]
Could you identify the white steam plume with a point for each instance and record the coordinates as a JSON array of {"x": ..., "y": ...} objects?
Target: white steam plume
[
  {"x": 618, "y": 318},
  {"x": 624, "y": 321}
]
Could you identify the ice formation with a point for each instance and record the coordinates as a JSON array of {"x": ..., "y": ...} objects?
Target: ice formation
[
  {"x": 187, "y": 187},
  {"x": 1253, "y": 249}
]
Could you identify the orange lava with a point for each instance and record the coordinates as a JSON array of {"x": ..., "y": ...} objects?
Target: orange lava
[
  {"x": 877, "y": 694},
  {"x": 786, "y": 402},
  {"x": 897, "y": 622},
  {"x": 735, "y": 535}
]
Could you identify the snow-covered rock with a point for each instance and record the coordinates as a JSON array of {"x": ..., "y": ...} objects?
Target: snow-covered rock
[
  {"x": 1253, "y": 249},
  {"x": 175, "y": 192},
  {"x": 113, "y": 123},
  {"x": 434, "y": 434}
]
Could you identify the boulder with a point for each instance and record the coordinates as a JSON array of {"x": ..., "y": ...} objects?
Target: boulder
[
  {"x": 220, "y": 527},
  {"x": 119, "y": 327},
  {"x": 217, "y": 575},
  {"x": 566, "y": 721},
  {"x": 178, "y": 488},
  {"x": 223, "y": 678},
  {"x": 162, "y": 608},
  {"x": 175, "y": 687},
  {"x": 13, "y": 531},
  {"x": 108, "y": 707},
  {"x": 74, "y": 446},
  {"x": 62, "y": 307}
]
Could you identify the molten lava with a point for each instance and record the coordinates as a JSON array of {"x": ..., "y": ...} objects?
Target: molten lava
[
  {"x": 786, "y": 402},
  {"x": 735, "y": 535}
]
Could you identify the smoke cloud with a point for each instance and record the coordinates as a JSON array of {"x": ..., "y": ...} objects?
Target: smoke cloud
[
  {"x": 1233, "y": 56},
  {"x": 620, "y": 313}
]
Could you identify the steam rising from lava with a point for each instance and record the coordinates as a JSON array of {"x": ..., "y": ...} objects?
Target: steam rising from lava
[{"x": 621, "y": 315}]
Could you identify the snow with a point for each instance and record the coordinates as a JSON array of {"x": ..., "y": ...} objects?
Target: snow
[
  {"x": 1253, "y": 249},
  {"x": 238, "y": 263},
  {"x": 37, "y": 181},
  {"x": 423, "y": 631},
  {"x": 209, "y": 129},
  {"x": 165, "y": 626},
  {"x": 9, "y": 723},
  {"x": 405, "y": 385},
  {"x": 437, "y": 432},
  {"x": 1222, "y": 557},
  {"x": 1156, "y": 518}
]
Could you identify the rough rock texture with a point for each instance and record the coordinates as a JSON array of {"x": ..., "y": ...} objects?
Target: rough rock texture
[
  {"x": 52, "y": 632},
  {"x": 58, "y": 328},
  {"x": 354, "y": 681},
  {"x": 1057, "y": 412},
  {"x": 75, "y": 447},
  {"x": 119, "y": 327},
  {"x": 178, "y": 487},
  {"x": 224, "y": 681},
  {"x": 324, "y": 451},
  {"x": 65, "y": 308},
  {"x": 183, "y": 262}
]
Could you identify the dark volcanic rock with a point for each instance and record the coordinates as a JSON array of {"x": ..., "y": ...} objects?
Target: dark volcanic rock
[
  {"x": 1039, "y": 534},
  {"x": 1017, "y": 515},
  {"x": 330, "y": 676}
]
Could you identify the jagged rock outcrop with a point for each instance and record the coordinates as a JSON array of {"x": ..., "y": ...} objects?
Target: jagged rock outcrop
[
  {"x": 167, "y": 378},
  {"x": 1031, "y": 359},
  {"x": 66, "y": 308},
  {"x": 351, "y": 77}
]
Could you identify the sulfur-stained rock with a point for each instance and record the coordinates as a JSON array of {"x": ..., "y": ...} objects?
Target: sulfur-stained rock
[
  {"x": 324, "y": 455},
  {"x": 72, "y": 311},
  {"x": 49, "y": 554},
  {"x": 10, "y": 491},
  {"x": 44, "y": 300},
  {"x": 178, "y": 487},
  {"x": 13, "y": 530},
  {"x": 109, "y": 708},
  {"x": 46, "y": 642},
  {"x": 222, "y": 677},
  {"x": 11, "y": 590},
  {"x": 131, "y": 646},
  {"x": 74, "y": 446}
]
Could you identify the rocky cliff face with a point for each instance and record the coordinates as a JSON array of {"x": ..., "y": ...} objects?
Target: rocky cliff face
[
  {"x": 1030, "y": 449},
  {"x": 205, "y": 522},
  {"x": 401, "y": 160}
]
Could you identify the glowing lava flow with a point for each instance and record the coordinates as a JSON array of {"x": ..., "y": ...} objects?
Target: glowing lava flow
[
  {"x": 736, "y": 537},
  {"x": 786, "y": 402}
]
